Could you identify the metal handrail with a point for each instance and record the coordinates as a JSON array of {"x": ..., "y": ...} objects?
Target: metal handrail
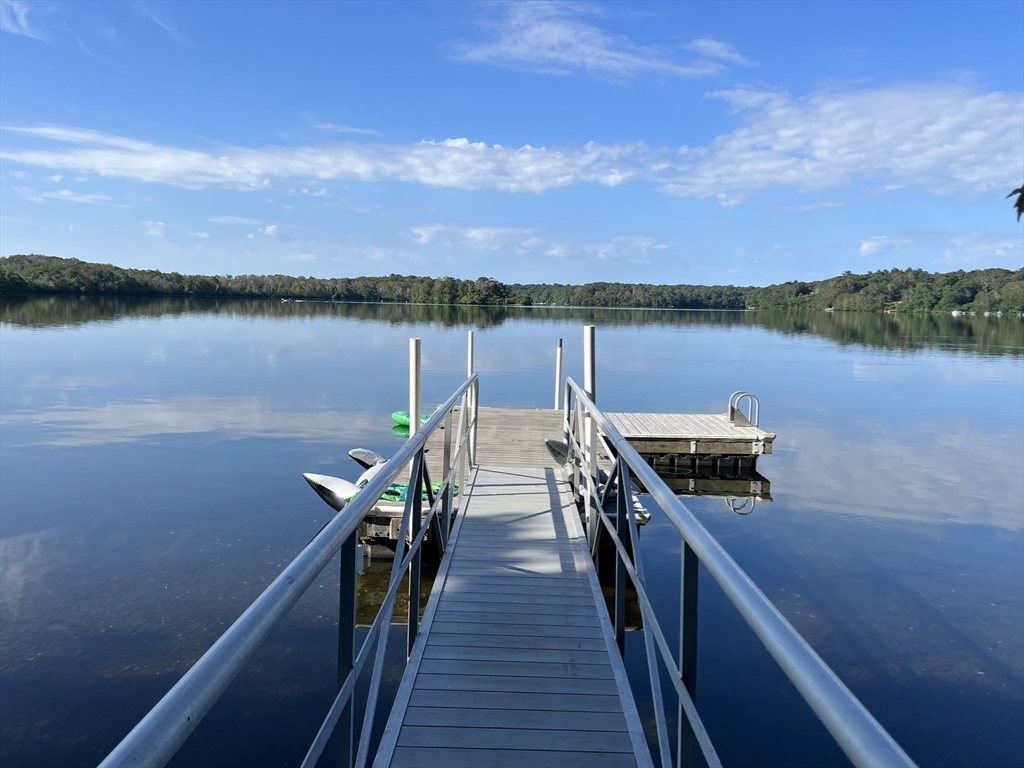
[
  {"x": 156, "y": 738},
  {"x": 855, "y": 730}
]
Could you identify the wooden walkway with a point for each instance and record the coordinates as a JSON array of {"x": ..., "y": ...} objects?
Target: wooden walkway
[{"x": 515, "y": 663}]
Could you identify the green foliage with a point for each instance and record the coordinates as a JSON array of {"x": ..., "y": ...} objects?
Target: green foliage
[
  {"x": 1018, "y": 205},
  {"x": 901, "y": 291}
]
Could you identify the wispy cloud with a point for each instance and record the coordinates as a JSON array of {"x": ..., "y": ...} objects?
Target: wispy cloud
[
  {"x": 716, "y": 49},
  {"x": 820, "y": 205},
  {"x": 945, "y": 139},
  {"x": 960, "y": 249},
  {"x": 234, "y": 220},
  {"x": 155, "y": 228},
  {"x": 30, "y": 194},
  {"x": 14, "y": 18},
  {"x": 530, "y": 241},
  {"x": 160, "y": 15},
  {"x": 554, "y": 38},
  {"x": 875, "y": 246},
  {"x": 346, "y": 129},
  {"x": 976, "y": 248}
]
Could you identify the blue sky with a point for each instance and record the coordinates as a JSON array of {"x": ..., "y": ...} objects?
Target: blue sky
[{"x": 743, "y": 143}]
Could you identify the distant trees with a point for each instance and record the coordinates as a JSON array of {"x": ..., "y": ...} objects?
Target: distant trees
[{"x": 907, "y": 290}]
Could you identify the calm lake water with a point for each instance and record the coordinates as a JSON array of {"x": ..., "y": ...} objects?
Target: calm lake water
[{"x": 151, "y": 487}]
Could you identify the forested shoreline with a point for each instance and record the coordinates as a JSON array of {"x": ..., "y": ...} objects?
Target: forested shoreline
[{"x": 909, "y": 290}]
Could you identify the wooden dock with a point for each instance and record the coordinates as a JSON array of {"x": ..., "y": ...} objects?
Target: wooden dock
[
  {"x": 515, "y": 663},
  {"x": 705, "y": 434}
]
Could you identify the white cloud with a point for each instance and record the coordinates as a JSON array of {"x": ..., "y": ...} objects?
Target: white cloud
[
  {"x": 452, "y": 163},
  {"x": 202, "y": 235},
  {"x": 944, "y": 139},
  {"x": 27, "y": 193},
  {"x": 874, "y": 246},
  {"x": 821, "y": 205},
  {"x": 270, "y": 230},
  {"x": 551, "y": 37},
  {"x": 530, "y": 241},
  {"x": 155, "y": 228},
  {"x": 347, "y": 129},
  {"x": 971, "y": 248},
  {"x": 14, "y": 18},
  {"x": 957, "y": 249},
  {"x": 56, "y": 177},
  {"x": 716, "y": 49},
  {"x": 234, "y": 220}
]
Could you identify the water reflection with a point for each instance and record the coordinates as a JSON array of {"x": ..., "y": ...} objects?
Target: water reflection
[
  {"x": 119, "y": 422},
  {"x": 976, "y": 335},
  {"x": 152, "y": 454}
]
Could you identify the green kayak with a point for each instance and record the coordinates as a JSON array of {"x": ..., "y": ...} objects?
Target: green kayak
[
  {"x": 401, "y": 418},
  {"x": 398, "y": 492}
]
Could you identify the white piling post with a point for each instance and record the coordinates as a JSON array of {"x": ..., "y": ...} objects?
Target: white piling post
[
  {"x": 414, "y": 386},
  {"x": 590, "y": 431},
  {"x": 558, "y": 375},
  {"x": 474, "y": 406},
  {"x": 588, "y": 362}
]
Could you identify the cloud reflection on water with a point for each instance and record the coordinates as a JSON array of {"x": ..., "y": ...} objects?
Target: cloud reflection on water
[
  {"x": 236, "y": 417},
  {"x": 926, "y": 472}
]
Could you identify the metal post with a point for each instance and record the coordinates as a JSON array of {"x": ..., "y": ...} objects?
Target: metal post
[
  {"x": 414, "y": 386},
  {"x": 447, "y": 476},
  {"x": 623, "y": 507},
  {"x": 475, "y": 389},
  {"x": 415, "y": 488},
  {"x": 346, "y": 644},
  {"x": 589, "y": 432},
  {"x": 474, "y": 392},
  {"x": 687, "y": 651},
  {"x": 558, "y": 375},
  {"x": 588, "y": 362}
]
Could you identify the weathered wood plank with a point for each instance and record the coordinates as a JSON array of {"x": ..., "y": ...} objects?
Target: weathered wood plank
[
  {"x": 475, "y": 652},
  {"x": 466, "y": 639},
  {"x": 473, "y": 717},
  {"x": 519, "y": 684},
  {"x": 513, "y": 738},
  {"x": 445, "y": 613},
  {"x": 542, "y": 702},
  {"x": 515, "y": 669},
  {"x": 538, "y": 609},
  {"x": 506, "y": 597},
  {"x": 416, "y": 757},
  {"x": 486, "y": 627}
]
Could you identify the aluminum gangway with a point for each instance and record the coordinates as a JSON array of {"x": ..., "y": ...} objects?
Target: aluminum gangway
[{"x": 522, "y": 536}]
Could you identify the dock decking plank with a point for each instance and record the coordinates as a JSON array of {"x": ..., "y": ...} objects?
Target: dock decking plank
[{"x": 515, "y": 663}]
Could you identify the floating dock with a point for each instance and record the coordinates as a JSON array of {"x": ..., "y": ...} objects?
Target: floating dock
[{"x": 702, "y": 434}]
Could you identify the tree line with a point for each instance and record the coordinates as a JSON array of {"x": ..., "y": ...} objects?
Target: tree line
[{"x": 901, "y": 291}]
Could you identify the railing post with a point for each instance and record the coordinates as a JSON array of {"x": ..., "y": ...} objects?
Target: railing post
[
  {"x": 346, "y": 644},
  {"x": 476, "y": 414},
  {"x": 447, "y": 476},
  {"x": 416, "y": 521},
  {"x": 687, "y": 651},
  {"x": 590, "y": 434},
  {"x": 623, "y": 528},
  {"x": 558, "y": 374}
]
